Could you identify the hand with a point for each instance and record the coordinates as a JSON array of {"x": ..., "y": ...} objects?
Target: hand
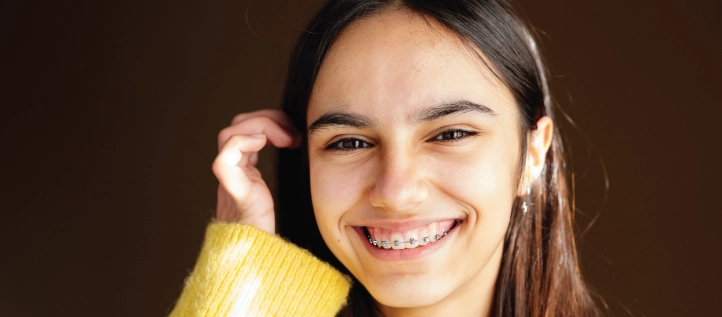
[{"x": 243, "y": 196}]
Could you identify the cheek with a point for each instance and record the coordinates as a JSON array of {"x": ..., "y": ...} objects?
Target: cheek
[
  {"x": 334, "y": 190},
  {"x": 482, "y": 179}
]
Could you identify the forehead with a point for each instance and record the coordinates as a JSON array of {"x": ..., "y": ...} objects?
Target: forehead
[{"x": 396, "y": 62}]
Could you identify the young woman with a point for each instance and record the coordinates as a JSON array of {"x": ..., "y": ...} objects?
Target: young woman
[{"x": 419, "y": 158}]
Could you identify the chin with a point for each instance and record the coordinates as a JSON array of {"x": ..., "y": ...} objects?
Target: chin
[{"x": 405, "y": 291}]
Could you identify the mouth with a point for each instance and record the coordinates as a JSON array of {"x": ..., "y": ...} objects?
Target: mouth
[{"x": 386, "y": 239}]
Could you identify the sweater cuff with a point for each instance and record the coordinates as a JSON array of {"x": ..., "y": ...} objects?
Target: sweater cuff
[{"x": 243, "y": 271}]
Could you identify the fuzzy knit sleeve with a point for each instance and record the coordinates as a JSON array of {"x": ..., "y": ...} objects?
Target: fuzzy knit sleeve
[{"x": 243, "y": 271}]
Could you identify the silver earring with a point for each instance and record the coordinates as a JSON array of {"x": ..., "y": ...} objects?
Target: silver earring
[{"x": 524, "y": 207}]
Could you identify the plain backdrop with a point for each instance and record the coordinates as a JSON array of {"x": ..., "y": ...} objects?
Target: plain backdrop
[{"x": 110, "y": 111}]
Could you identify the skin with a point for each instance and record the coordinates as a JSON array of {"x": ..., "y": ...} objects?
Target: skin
[
  {"x": 390, "y": 68},
  {"x": 387, "y": 69}
]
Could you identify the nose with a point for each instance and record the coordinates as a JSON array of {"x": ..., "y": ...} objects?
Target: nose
[{"x": 399, "y": 184}]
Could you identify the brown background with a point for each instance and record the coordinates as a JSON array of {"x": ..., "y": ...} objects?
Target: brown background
[{"x": 111, "y": 109}]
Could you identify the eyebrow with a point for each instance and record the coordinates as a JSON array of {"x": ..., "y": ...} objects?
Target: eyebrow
[
  {"x": 457, "y": 107},
  {"x": 331, "y": 119}
]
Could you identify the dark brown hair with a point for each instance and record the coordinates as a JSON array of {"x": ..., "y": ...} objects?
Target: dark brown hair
[{"x": 539, "y": 273}]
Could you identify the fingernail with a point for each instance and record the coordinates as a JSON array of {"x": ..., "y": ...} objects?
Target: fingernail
[{"x": 259, "y": 136}]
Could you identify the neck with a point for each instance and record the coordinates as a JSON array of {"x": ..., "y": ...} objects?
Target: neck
[{"x": 473, "y": 298}]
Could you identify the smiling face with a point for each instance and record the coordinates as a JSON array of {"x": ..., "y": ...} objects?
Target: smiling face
[{"x": 411, "y": 136}]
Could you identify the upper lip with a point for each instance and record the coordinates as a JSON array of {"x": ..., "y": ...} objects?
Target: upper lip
[{"x": 402, "y": 225}]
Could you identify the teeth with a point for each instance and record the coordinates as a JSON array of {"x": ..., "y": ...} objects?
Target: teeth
[
  {"x": 398, "y": 241},
  {"x": 385, "y": 239},
  {"x": 424, "y": 237},
  {"x": 413, "y": 240}
]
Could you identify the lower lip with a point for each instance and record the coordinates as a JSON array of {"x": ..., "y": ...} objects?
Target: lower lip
[{"x": 398, "y": 255}]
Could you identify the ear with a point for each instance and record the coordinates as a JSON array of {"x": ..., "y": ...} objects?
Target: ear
[{"x": 538, "y": 145}]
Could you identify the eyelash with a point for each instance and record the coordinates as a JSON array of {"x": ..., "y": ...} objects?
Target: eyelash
[
  {"x": 336, "y": 146},
  {"x": 453, "y": 134},
  {"x": 456, "y": 134}
]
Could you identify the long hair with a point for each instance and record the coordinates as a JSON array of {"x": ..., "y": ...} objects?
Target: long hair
[{"x": 539, "y": 274}]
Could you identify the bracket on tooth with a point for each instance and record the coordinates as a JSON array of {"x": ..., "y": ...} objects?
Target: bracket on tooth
[{"x": 412, "y": 241}]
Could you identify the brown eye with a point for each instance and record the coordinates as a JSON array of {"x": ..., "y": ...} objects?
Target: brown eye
[
  {"x": 348, "y": 144},
  {"x": 452, "y": 135}
]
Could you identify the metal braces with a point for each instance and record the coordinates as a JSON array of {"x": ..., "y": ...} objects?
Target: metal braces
[{"x": 412, "y": 241}]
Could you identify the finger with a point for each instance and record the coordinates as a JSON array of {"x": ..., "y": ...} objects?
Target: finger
[
  {"x": 232, "y": 162},
  {"x": 259, "y": 125},
  {"x": 276, "y": 115},
  {"x": 279, "y": 116},
  {"x": 246, "y": 145},
  {"x": 253, "y": 159}
]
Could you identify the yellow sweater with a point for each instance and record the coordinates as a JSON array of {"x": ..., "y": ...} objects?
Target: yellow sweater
[{"x": 243, "y": 271}]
